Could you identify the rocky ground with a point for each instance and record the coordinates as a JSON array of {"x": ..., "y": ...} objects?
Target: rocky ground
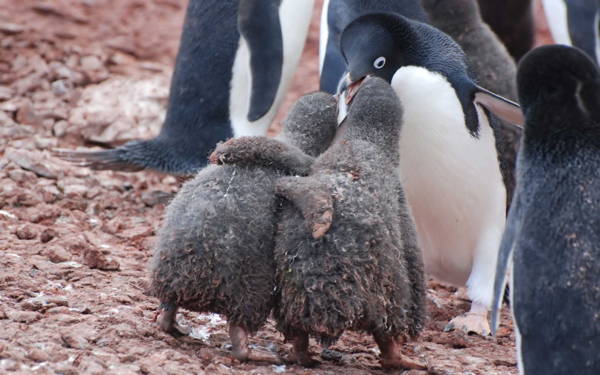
[{"x": 75, "y": 244}]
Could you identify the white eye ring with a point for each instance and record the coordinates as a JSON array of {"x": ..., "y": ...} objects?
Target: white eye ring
[{"x": 379, "y": 62}]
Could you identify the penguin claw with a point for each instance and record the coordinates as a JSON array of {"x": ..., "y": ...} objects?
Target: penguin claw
[{"x": 470, "y": 323}]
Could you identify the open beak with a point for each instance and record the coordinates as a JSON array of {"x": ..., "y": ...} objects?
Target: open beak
[
  {"x": 353, "y": 89},
  {"x": 346, "y": 91},
  {"x": 347, "y": 88}
]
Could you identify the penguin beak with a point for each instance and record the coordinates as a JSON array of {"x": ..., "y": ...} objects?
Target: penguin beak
[
  {"x": 353, "y": 89},
  {"x": 347, "y": 88}
]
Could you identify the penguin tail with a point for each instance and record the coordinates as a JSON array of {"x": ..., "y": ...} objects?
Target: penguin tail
[{"x": 113, "y": 159}]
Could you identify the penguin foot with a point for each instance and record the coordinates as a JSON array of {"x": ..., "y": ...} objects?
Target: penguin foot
[
  {"x": 166, "y": 322},
  {"x": 470, "y": 322},
  {"x": 259, "y": 355},
  {"x": 300, "y": 353},
  {"x": 391, "y": 354},
  {"x": 402, "y": 362},
  {"x": 240, "y": 348}
]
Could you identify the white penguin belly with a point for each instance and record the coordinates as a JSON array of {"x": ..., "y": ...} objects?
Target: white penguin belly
[
  {"x": 295, "y": 16},
  {"x": 323, "y": 34},
  {"x": 556, "y": 14},
  {"x": 452, "y": 180}
]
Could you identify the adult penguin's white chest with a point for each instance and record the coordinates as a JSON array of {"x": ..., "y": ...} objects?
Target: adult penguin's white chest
[
  {"x": 295, "y": 16},
  {"x": 452, "y": 180}
]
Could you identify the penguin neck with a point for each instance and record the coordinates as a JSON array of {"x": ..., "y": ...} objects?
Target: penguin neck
[
  {"x": 385, "y": 138},
  {"x": 431, "y": 42},
  {"x": 564, "y": 122}
]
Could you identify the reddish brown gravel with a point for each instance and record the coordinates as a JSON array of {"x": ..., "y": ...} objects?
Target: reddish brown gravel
[{"x": 74, "y": 244}]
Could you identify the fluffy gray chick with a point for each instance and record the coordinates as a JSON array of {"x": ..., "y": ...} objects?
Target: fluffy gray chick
[{"x": 215, "y": 247}]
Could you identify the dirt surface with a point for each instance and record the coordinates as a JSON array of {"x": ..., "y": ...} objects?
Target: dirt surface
[{"x": 74, "y": 244}]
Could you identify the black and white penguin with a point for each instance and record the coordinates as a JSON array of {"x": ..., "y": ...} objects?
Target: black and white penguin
[
  {"x": 235, "y": 62},
  {"x": 575, "y": 23},
  {"x": 449, "y": 165},
  {"x": 336, "y": 15},
  {"x": 552, "y": 238},
  {"x": 513, "y": 21}
]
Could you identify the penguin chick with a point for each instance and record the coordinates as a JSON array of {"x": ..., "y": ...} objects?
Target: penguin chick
[
  {"x": 215, "y": 247},
  {"x": 551, "y": 239},
  {"x": 491, "y": 66},
  {"x": 346, "y": 251},
  {"x": 514, "y": 23},
  {"x": 366, "y": 271}
]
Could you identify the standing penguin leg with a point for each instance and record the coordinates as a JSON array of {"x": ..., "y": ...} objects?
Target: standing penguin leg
[
  {"x": 167, "y": 323},
  {"x": 300, "y": 353},
  {"x": 480, "y": 286},
  {"x": 241, "y": 350},
  {"x": 391, "y": 353}
]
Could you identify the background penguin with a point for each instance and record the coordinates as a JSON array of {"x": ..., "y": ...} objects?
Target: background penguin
[
  {"x": 215, "y": 248},
  {"x": 226, "y": 83},
  {"x": 575, "y": 23},
  {"x": 552, "y": 237},
  {"x": 514, "y": 23},
  {"x": 365, "y": 271},
  {"x": 449, "y": 165},
  {"x": 337, "y": 14},
  {"x": 491, "y": 66}
]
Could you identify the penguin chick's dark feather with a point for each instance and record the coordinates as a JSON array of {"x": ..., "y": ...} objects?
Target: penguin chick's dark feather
[
  {"x": 514, "y": 23},
  {"x": 552, "y": 229},
  {"x": 366, "y": 272},
  {"x": 215, "y": 247}
]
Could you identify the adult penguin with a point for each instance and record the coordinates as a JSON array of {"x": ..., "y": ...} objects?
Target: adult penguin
[
  {"x": 235, "y": 62},
  {"x": 336, "y": 15},
  {"x": 575, "y": 23},
  {"x": 552, "y": 236},
  {"x": 449, "y": 165},
  {"x": 514, "y": 23}
]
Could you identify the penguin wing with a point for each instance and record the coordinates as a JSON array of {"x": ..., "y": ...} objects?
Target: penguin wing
[
  {"x": 262, "y": 152},
  {"x": 260, "y": 26},
  {"x": 504, "y": 259},
  {"x": 312, "y": 197},
  {"x": 505, "y": 109}
]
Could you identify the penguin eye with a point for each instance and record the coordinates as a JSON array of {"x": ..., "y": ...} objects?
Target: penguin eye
[{"x": 379, "y": 62}]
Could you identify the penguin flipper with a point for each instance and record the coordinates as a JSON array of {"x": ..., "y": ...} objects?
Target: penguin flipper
[
  {"x": 260, "y": 26},
  {"x": 113, "y": 159},
  {"x": 505, "y": 109},
  {"x": 262, "y": 151},
  {"x": 312, "y": 197},
  {"x": 504, "y": 259}
]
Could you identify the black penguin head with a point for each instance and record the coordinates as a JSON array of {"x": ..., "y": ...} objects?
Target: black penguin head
[
  {"x": 558, "y": 83},
  {"x": 381, "y": 43},
  {"x": 370, "y": 47}
]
